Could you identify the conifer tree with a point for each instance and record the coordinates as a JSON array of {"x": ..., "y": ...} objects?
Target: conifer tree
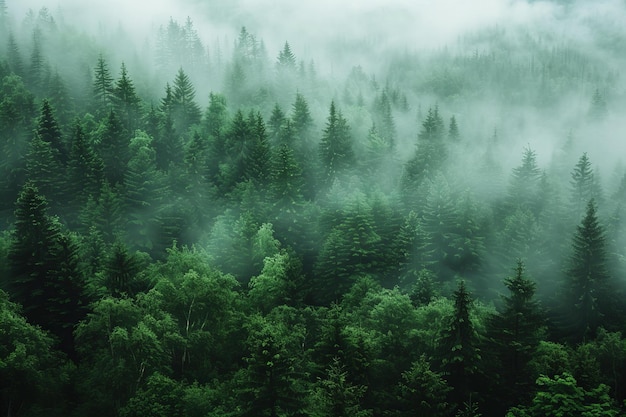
[
  {"x": 453, "y": 130},
  {"x": 43, "y": 264},
  {"x": 588, "y": 289},
  {"x": 514, "y": 333},
  {"x": 524, "y": 185},
  {"x": 45, "y": 171},
  {"x": 84, "y": 169},
  {"x": 335, "y": 148},
  {"x": 186, "y": 111},
  {"x": 126, "y": 101},
  {"x": 275, "y": 123},
  {"x": 459, "y": 347},
  {"x": 114, "y": 149},
  {"x": 49, "y": 131},
  {"x": 584, "y": 185},
  {"x": 14, "y": 57},
  {"x": 37, "y": 64},
  {"x": 286, "y": 59},
  {"x": 301, "y": 118},
  {"x": 103, "y": 86}
]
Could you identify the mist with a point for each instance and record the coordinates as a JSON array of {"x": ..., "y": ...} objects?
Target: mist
[{"x": 270, "y": 207}]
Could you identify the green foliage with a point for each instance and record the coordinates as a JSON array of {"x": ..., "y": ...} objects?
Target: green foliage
[{"x": 335, "y": 148}]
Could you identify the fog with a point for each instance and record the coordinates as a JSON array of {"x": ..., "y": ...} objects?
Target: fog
[{"x": 515, "y": 74}]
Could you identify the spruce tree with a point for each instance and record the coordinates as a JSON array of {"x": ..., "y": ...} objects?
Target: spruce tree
[
  {"x": 126, "y": 101},
  {"x": 588, "y": 289},
  {"x": 286, "y": 59},
  {"x": 84, "y": 169},
  {"x": 524, "y": 185},
  {"x": 102, "y": 86},
  {"x": 514, "y": 333},
  {"x": 186, "y": 111},
  {"x": 49, "y": 131},
  {"x": 114, "y": 149},
  {"x": 335, "y": 148},
  {"x": 584, "y": 186},
  {"x": 14, "y": 57},
  {"x": 459, "y": 347}
]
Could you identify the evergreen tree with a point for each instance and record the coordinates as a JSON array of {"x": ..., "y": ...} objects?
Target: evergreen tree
[
  {"x": 336, "y": 153},
  {"x": 103, "y": 86},
  {"x": 186, "y": 111},
  {"x": 584, "y": 186},
  {"x": 286, "y": 59},
  {"x": 524, "y": 185},
  {"x": 588, "y": 289},
  {"x": 126, "y": 102},
  {"x": 120, "y": 270},
  {"x": 14, "y": 57},
  {"x": 459, "y": 347},
  {"x": 514, "y": 334},
  {"x": 36, "y": 70},
  {"x": 114, "y": 149},
  {"x": 275, "y": 123},
  {"x": 301, "y": 118},
  {"x": 44, "y": 273},
  {"x": 84, "y": 169},
  {"x": 49, "y": 131},
  {"x": 45, "y": 171},
  {"x": 453, "y": 130},
  {"x": 597, "y": 109}
]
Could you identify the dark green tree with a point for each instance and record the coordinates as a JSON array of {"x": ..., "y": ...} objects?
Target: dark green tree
[
  {"x": 514, "y": 333},
  {"x": 37, "y": 68},
  {"x": 588, "y": 288},
  {"x": 120, "y": 272},
  {"x": 49, "y": 131},
  {"x": 45, "y": 171},
  {"x": 114, "y": 149},
  {"x": 275, "y": 123},
  {"x": 126, "y": 101},
  {"x": 336, "y": 153},
  {"x": 14, "y": 57},
  {"x": 103, "y": 88},
  {"x": 459, "y": 348},
  {"x": 423, "y": 391},
  {"x": 84, "y": 169},
  {"x": 43, "y": 265},
  {"x": 584, "y": 186},
  {"x": 524, "y": 186},
  {"x": 453, "y": 130},
  {"x": 186, "y": 111}
]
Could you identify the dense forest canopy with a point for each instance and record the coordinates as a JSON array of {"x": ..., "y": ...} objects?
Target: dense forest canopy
[{"x": 380, "y": 208}]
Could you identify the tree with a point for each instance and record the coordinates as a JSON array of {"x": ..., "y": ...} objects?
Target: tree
[
  {"x": 32, "y": 372},
  {"x": 103, "y": 86},
  {"x": 84, "y": 169},
  {"x": 584, "y": 186},
  {"x": 514, "y": 333},
  {"x": 524, "y": 185},
  {"x": 14, "y": 58},
  {"x": 49, "y": 131},
  {"x": 562, "y": 396},
  {"x": 336, "y": 396},
  {"x": 301, "y": 118},
  {"x": 45, "y": 171},
  {"x": 597, "y": 109},
  {"x": 186, "y": 111},
  {"x": 43, "y": 265},
  {"x": 335, "y": 148},
  {"x": 453, "y": 130},
  {"x": 37, "y": 64},
  {"x": 114, "y": 149},
  {"x": 423, "y": 391},
  {"x": 459, "y": 347},
  {"x": 126, "y": 101},
  {"x": 588, "y": 289},
  {"x": 286, "y": 59}
]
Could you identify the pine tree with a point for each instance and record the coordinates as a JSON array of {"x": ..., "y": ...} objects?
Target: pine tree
[
  {"x": 120, "y": 270},
  {"x": 335, "y": 148},
  {"x": 45, "y": 171},
  {"x": 459, "y": 346},
  {"x": 597, "y": 109},
  {"x": 524, "y": 185},
  {"x": 587, "y": 283},
  {"x": 43, "y": 265},
  {"x": 453, "y": 130},
  {"x": 84, "y": 169},
  {"x": 14, "y": 57},
  {"x": 258, "y": 166},
  {"x": 37, "y": 64},
  {"x": 114, "y": 149},
  {"x": 301, "y": 118},
  {"x": 103, "y": 86},
  {"x": 514, "y": 333},
  {"x": 186, "y": 111},
  {"x": 286, "y": 59},
  {"x": 275, "y": 123},
  {"x": 49, "y": 131},
  {"x": 584, "y": 186},
  {"x": 126, "y": 102}
]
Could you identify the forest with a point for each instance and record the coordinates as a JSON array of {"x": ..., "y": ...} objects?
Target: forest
[{"x": 199, "y": 218}]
